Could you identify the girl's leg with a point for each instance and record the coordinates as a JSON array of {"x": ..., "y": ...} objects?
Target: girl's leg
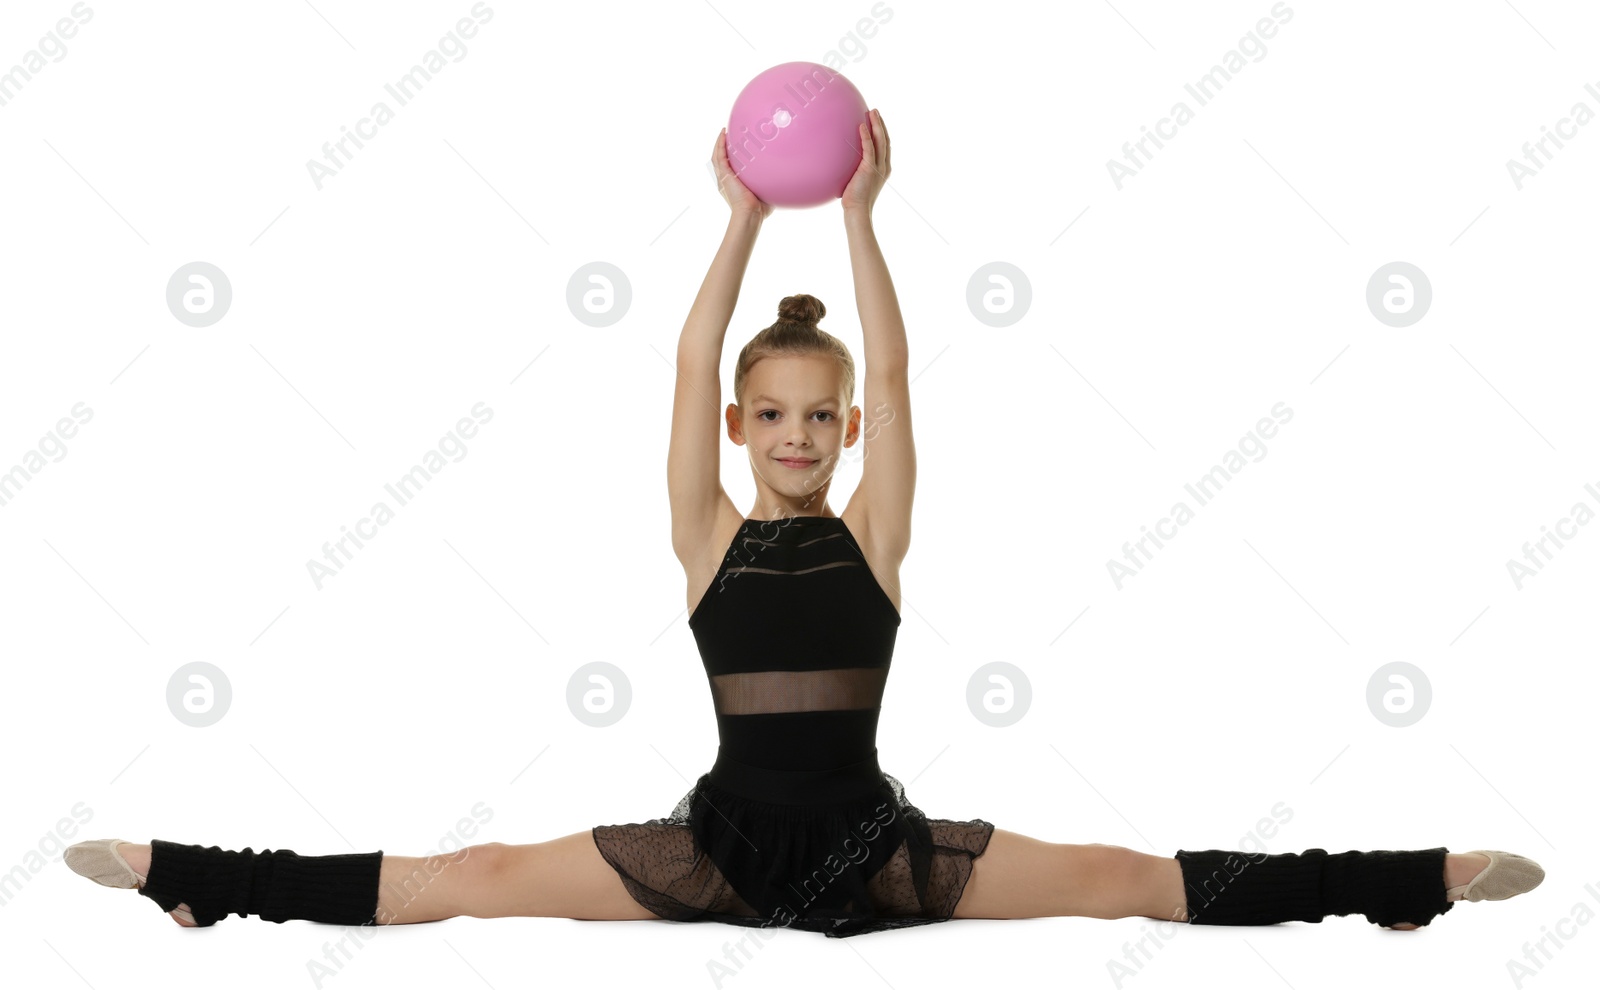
[
  {"x": 561, "y": 878},
  {"x": 1022, "y": 877}
]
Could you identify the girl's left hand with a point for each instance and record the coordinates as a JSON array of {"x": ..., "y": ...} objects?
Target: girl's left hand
[{"x": 873, "y": 172}]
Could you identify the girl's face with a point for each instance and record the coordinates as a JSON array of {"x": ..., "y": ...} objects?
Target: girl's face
[{"x": 794, "y": 422}]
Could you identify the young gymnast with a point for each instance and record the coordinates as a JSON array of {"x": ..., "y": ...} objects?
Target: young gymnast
[{"x": 795, "y": 610}]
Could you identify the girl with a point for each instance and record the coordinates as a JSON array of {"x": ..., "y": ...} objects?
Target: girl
[{"x": 795, "y": 609}]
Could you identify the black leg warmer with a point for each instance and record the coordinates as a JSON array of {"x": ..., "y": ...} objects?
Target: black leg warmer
[
  {"x": 1240, "y": 888},
  {"x": 275, "y": 885}
]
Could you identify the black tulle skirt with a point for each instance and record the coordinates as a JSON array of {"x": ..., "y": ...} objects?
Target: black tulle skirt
[{"x": 840, "y": 851}]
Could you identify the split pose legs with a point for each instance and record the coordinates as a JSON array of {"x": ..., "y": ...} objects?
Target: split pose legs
[{"x": 1017, "y": 876}]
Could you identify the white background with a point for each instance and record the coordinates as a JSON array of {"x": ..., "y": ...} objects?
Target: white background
[{"x": 368, "y": 317}]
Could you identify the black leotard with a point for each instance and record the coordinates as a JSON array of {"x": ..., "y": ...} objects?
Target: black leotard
[
  {"x": 796, "y": 824},
  {"x": 796, "y": 636}
]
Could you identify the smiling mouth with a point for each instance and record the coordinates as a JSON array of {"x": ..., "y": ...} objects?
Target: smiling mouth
[{"x": 797, "y": 462}]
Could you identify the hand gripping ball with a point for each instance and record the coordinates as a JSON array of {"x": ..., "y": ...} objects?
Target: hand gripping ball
[{"x": 792, "y": 137}]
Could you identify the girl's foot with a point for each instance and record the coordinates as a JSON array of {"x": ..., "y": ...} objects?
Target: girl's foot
[
  {"x": 1460, "y": 869},
  {"x": 138, "y": 857}
]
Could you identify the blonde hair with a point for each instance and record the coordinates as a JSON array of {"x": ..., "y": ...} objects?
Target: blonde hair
[{"x": 796, "y": 333}]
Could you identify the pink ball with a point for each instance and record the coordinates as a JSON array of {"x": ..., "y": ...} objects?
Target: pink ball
[{"x": 792, "y": 137}]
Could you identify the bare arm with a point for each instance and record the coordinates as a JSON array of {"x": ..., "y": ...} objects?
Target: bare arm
[
  {"x": 694, "y": 481},
  {"x": 883, "y": 328},
  {"x": 889, "y": 467}
]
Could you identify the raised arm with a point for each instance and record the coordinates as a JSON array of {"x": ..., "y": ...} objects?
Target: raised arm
[
  {"x": 694, "y": 478},
  {"x": 889, "y": 465}
]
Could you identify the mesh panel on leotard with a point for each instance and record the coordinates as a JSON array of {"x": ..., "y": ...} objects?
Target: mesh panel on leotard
[{"x": 798, "y": 690}]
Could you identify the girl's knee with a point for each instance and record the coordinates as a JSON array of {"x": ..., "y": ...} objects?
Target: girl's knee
[
  {"x": 484, "y": 857},
  {"x": 1109, "y": 866}
]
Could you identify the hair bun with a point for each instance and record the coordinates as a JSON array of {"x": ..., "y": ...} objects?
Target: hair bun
[{"x": 801, "y": 308}]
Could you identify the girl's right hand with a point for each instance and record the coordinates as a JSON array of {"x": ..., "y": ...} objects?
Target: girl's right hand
[{"x": 740, "y": 198}]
